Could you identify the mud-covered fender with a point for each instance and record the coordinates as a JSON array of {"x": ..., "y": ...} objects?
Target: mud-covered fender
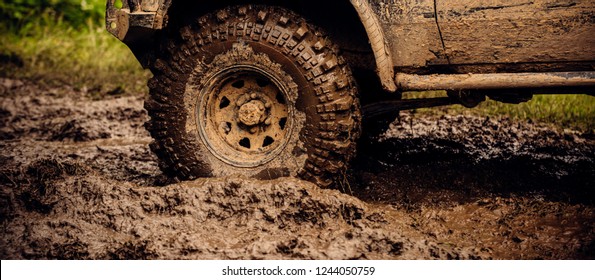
[
  {"x": 384, "y": 66},
  {"x": 136, "y": 22},
  {"x": 371, "y": 23}
]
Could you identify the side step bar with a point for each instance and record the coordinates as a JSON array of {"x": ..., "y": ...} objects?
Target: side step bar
[{"x": 494, "y": 81}]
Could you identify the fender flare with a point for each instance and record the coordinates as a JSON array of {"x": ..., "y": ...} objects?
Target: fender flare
[
  {"x": 382, "y": 56},
  {"x": 371, "y": 24}
]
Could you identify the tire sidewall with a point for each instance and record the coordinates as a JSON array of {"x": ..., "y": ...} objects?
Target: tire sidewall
[{"x": 326, "y": 109}]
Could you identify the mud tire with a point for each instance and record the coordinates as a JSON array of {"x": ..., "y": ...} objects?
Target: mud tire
[{"x": 317, "y": 87}]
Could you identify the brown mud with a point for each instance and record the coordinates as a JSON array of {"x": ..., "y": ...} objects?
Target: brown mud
[{"x": 78, "y": 181}]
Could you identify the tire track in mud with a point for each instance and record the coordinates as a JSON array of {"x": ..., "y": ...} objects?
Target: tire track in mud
[{"x": 441, "y": 188}]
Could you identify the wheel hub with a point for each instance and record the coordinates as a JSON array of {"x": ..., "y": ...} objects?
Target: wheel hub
[
  {"x": 252, "y": 113},
  {"x": 247, "y": 119}
]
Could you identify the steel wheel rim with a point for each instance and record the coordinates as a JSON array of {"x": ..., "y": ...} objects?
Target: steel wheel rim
[{"x": 244, "y": 116}]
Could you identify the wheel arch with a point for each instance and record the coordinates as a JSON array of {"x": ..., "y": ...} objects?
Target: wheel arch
[{"x": 359, "y": 25}]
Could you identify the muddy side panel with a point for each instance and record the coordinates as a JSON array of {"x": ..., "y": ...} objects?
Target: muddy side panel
[
  {"x": 411, "y": 32},
  {"x": 512, "y": 31}
]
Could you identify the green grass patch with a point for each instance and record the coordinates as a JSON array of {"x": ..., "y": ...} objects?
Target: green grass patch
[
  {"x": 53, "y": 52},
  {"x": 574, "y": 111}
]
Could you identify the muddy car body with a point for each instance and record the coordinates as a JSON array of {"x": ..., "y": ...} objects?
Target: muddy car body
[{"x": 268, "y": 88}]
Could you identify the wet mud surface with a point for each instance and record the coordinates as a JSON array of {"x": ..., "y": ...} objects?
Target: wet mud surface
[{"x": 77, "y": 180}]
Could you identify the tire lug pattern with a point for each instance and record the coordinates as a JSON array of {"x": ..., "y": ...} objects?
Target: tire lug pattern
[{"x": 331, "y": 90}]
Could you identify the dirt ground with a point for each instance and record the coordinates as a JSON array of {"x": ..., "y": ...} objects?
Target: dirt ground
[{"x": 78, "y": 181}]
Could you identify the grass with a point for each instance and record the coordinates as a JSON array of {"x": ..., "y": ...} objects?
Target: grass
[
  {"x": 54, "y": 53},
  {"x": 573, "y": 111},
  {"x": 567, "y": 110}
]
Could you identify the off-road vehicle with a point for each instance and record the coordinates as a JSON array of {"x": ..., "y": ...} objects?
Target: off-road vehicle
[{"x": 270, "y": 88}]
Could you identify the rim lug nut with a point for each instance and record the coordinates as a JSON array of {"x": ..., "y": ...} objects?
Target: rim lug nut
[
  {"x": 253, "y": 96},
  {"x": 253, "y": 130},
  {"x": 268, "y": 105},
  {"x": 267, "y": 121}
]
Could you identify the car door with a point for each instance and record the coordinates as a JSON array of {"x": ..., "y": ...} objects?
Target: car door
[
  {"x": 507, "y": 32},
  {"x": 411, "y": 32}
]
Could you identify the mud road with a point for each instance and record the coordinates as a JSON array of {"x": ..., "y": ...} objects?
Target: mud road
[{"x": 78, "y": 181}]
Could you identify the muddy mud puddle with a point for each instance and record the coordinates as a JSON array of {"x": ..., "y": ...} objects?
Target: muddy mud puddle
[{"x": 78, "y": 181}]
